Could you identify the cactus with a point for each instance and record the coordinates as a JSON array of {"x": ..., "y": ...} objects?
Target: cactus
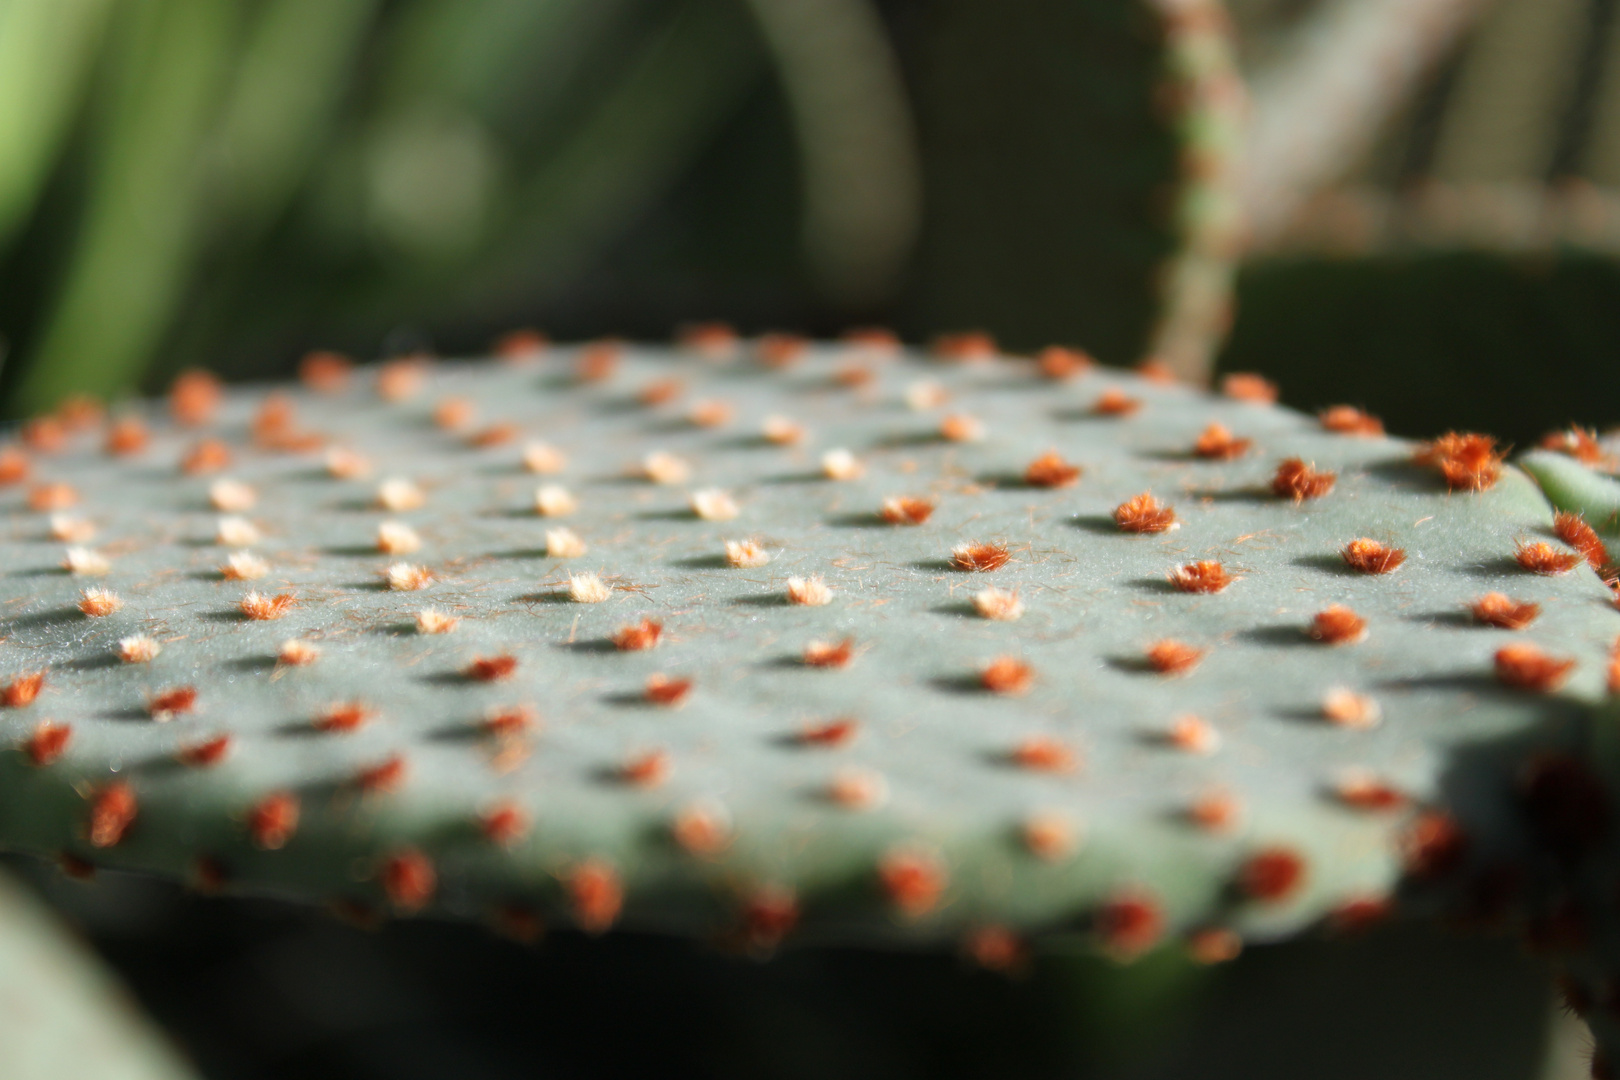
[{"x": 840, "y": 640}]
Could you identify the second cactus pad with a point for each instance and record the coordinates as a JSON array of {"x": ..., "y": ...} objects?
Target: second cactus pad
[{"x": 839, "y": 638}]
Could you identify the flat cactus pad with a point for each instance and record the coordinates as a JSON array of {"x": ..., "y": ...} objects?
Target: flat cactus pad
[{"x": 744, "y": 639}]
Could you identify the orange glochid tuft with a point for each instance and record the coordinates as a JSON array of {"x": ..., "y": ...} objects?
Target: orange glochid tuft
[
  {"x": 194, "y": 397},
  {"x": 906, "y": 510},
  {"x": 127, "y": 435},
  {"x": 342, "y": 717},
  {"x": 324, "y": 371},
  {"x": 647, "y": 769},
  {"x": 1360, "y": 913},
  {"x": 780, "y": 350},
  {"x": 503, "y": 721},
  {"x": 1368, "y": 556},
  {"x": 491, "y": 668},
  {"x": 1129, "y": 924},
  {"x": 275, "y": 427},
  {"x": 261, "y": 608},
  {"x": 596, "y": 895},
  {"x": 504, "y": 823},
  {"x": 1049, "y": 836},
  {"x": 1350, "y": 709},
  {"x": 829, "y": 654},
  {"x": 1007, "y": 675},
  {"x": 52, "y": 496},
  {"x": 1193, "y": 734},
  {"x": 401, "y": 378},
  {"x": 1214, "y": 945},
  {"x": 970, "y": 345},
  {"x": 667, "y": 690},
  {"x": 112, "y": 812},
  {"x": 1204, "y": 576},
  {"x": 1612, "y": 676},
  {"x": 22, "y": 690},
  {"x": 387, "y": 775},
  {"x": 170, "y": 703},
  {"x": 714, "y": 340},
  {"x": 98, "y": 603},
  {"x": 1526, "y": 667},
  {"x": 1362, "y": 790},
  {"x": 1298, "y": 481},
  {"x": 912, "y": 880},
  {"x": 1495, "y": 609},
  {"x": 1580, "y": 444},
  {"x": 45, "y": 434},
  {"x": 1272, "y": 875},
  {"x": 1155, "y": 370},
  {"x": 638, "y": 636},
  {"x": 876, "y": 339},
  {"x": 1056, "y": 362},
  {"x": 494, "y": 435},
  {"x": 701, "y": 828},
  {"x": 710, "y": 414},
  {"x": 409, "y": 880},
  {"x": 1247, "y": 386},
  {"x": 829, "y": 734},
  {"x": 1469, "y": 462},
  {"x": 1042, "y": 753},
  {"x": 273, "y": 820},
  {"x": 1540, "y": 557},
  {"x": 1349, "y": 420},
  {"x": 1217, "y": 443},
  {"x": 1169, "y": 657},
  {"x": 1338, "y": 625},
  {"x": 47, "y": 742},
  {"x": 979, "y": 557},
  {"x": 14, "y": 465},
  {"x": 1433, "y": 845},
  {"x": 597, "y": 361},
  {"x": 1573, "y": 530},
  {"x": 1115, "y": 402},
  {"x": 1214, "y": 811},
  {"x": 1050, "y": 470},
  {"x": 524, "y": 343},
  {"x": 206, "y": 753},
  {"x": 768, "y": 915},
  {"x": 1144, "y": 514},
  {"x": 205, "y": 456},
  {"x": 998, "y": 949}
]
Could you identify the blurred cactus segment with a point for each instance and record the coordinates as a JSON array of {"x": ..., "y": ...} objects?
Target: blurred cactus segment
[
  {"x": 65, "y": 1017},
  {"x": 1570, "y": 485},
  {"x": 741, "y": 691}
]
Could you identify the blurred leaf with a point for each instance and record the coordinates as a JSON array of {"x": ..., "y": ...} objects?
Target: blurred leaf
[
  {"x": 861, "y": 182},
  {"x": 139, "y": 229},
  {"x": 685, "y": 83},
  {"x": 289, "y": 81},
  {"x": 62, "y": 1017},
  {"x": 46, "y": 52}
]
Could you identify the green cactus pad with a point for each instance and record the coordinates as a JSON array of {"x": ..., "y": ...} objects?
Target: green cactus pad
[{"x": 743, "y": 806}]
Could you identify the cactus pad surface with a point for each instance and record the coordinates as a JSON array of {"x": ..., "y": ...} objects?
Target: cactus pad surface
[{"x": 744, "y": 639}]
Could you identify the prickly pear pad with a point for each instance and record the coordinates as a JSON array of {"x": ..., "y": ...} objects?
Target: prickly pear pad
[{"x": 1261, "y": 777}]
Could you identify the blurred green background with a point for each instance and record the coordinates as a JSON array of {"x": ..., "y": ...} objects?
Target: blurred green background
[{"x": 230, "y": 183}]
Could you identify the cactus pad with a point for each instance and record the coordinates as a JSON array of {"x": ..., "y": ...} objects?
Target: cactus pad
[{"x": 744, "y": 639}]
